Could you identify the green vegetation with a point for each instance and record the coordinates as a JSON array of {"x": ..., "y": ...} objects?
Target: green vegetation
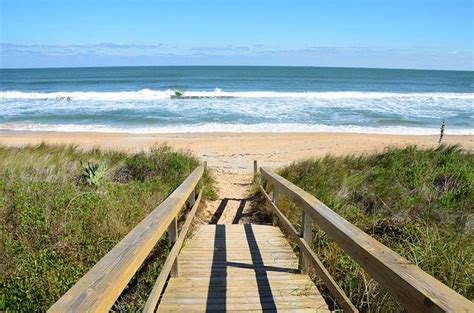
[
  {"x": 417, "y": 202},
  {"x": 93, "y": 173},
  {"x": 60, "y": 217}
]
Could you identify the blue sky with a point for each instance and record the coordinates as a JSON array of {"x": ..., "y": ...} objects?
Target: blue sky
[{"x": 432, "y": 34}]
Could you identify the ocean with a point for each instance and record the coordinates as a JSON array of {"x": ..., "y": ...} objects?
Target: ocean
[{"x": 237, "y": 99}]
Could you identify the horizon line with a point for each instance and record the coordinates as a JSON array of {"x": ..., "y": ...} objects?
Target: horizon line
[{"x": 240, "y": 65}]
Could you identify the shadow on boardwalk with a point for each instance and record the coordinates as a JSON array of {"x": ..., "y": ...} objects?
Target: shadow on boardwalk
[{"x": 216, "y": 298}]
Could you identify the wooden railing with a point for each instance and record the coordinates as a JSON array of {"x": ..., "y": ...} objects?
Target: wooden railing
[
  {"x": 99, "y": 288},
  {"x": 414, "y": 289}
]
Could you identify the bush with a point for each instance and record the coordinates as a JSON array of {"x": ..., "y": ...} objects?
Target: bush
[
  {"x": 417, "y": 202},
  {"x": 55, "y": 229}
]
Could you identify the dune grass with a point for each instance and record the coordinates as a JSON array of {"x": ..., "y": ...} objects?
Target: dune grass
[
  {"x": 63, "y": 209},
  {"x": 420, "y": 203}
]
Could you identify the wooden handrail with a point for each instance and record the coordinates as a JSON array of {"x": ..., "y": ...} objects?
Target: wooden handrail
[
  {"x": 155, "y": 294},
  {"x": 414, "y": 289},
  {"x": 305, "y": 247},
  {"x": 100, "y": 287}
]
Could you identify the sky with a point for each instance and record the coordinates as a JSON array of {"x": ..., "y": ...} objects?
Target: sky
[{"x": 420, "y": 34}]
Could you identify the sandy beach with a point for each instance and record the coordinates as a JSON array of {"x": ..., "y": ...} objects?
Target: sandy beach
[
  {"x": 231, "y": 155},
  {"x": 235, "y": 152}
]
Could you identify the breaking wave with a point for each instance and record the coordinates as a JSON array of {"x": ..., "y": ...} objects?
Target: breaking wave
[
  {"x": 148, "y": 94},
  {"x": 238, "y": 128}
]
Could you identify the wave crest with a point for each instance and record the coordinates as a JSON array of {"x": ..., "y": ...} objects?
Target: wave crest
[
  {"x": 148, "y": 94},
  {"x": 237, "y": 128}
]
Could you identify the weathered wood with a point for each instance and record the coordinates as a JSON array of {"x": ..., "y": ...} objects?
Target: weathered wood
[
  {"x": 275, "y": 199},
  {"x": 307, "y": 235},
  {"x": 255, "y": 168},
  {"x": 219, "y": 279},
  {"x": 192, "y": 198},
  {"x": 413, "y": 288},
  {"x": 172, "y": 237},
  {"x": 172, "y": 259},
  {"x": 305, "y": 248},
  {"x": 98, "y": 289}
]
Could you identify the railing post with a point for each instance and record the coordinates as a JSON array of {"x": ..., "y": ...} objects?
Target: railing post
[
  {"x": 275, "y": 201},
  {"x": 255, "y": 168},
  {"x": 172, "y": 237},
  {"x": 307, "y": 235},
  {"x": 192, "y": 198}
]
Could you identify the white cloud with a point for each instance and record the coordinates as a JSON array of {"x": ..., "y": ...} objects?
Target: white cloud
[{"x": 98, "y": 54}]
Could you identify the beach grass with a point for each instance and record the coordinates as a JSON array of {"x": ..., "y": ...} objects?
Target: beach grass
[
  {"x": 420, "y": 203},
  {"x": 63, "y": 209}
]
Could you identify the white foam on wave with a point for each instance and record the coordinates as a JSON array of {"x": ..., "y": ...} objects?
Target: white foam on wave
[
  {"x": 236, "y": 128},
  {"x": 144, "y": 94},
  {"x": 148, "y": 94}
]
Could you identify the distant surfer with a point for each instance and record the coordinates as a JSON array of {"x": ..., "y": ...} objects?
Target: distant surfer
[{"x": 177, "y": 94}]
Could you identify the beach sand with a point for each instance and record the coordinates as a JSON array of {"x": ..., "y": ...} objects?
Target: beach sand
[
  {"x": 235, "y": 152},
  {"x": 231, "y": 155}
]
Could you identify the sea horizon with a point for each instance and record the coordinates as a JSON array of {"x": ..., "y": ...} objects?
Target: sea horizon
[
  {"x": 197, "y": 99},
  {"x": 238, "y": 65}
]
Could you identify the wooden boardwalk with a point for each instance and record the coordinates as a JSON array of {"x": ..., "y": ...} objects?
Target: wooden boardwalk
[
  {"x": 249, "y": 267},
  {"x": 239, "y": 267}
]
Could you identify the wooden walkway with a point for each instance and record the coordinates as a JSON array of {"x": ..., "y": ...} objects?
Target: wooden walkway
[
  {"x": 239, "y": 267},
  {"x": 249, "y": 267}
]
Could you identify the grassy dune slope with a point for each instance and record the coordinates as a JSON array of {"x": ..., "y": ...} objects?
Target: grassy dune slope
[
  {"x": 57, "y": 224},
  {"x": 418, "y": 202}
]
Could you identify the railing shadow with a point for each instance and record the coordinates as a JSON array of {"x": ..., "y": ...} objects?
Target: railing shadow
[
  {"x": 222, "y": 206},
  {"x": 220, "y": 209},
  {"x": 218, "y": 279},
  {"x": 217, "y": 293},
  {"x": 263, "y": 285},
  {"x": 240, "y": 211}
]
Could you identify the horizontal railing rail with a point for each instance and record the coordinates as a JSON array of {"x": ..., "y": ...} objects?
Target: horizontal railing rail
[
  {"x": 171, "y": 264},
  {"x": 414, "y": 289},
  {"x": 100, "y": 287}
]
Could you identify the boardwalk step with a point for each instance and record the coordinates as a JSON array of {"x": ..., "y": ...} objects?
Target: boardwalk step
[{"x": 239, "y": 268}]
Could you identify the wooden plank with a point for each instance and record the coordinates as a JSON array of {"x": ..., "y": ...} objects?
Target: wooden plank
[
  {"x": 268, "y": 307},
  {"x": 160, "y": 282},
  {"x": 286, "y": 285},
  {"x": 341, "y": 297},
  {"x": 98, "y": 289},
  {"x": 413, "y": 288},
  {"x": 241, "y": 255},
  {"x": 248, "y": 279},
  {"x": 243, "y": 298},
  {"x": 198, "y": 280}
]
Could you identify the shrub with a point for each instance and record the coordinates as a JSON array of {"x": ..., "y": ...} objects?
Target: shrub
[
  {"x": 93, "y": 173},
  {"x": 54, "y": 229},
  {"x": 417, "y": 202}
]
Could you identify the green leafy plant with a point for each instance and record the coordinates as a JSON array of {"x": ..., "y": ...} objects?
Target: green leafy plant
[
  {"x": 54, "y": 230},
  {"x": 92, "y": 174}
]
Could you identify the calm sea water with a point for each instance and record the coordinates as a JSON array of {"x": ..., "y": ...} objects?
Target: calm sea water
[{"x": 212, "y": 99}]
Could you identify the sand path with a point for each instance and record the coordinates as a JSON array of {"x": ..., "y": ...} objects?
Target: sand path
[{"x": 233, "y": 203}]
